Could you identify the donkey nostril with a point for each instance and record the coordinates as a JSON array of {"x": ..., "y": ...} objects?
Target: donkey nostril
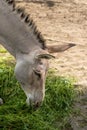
[{"x": 37, "y": 104}]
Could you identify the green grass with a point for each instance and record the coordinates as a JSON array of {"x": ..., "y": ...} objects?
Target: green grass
[
  {"x": 2, "y": 50},
  {"x": 53, "y": 114}
]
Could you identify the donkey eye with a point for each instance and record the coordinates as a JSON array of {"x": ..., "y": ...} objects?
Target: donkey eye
[{"x": 37, "y": 73}]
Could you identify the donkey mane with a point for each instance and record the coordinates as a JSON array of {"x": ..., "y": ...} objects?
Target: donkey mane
[{"x": 29, "y": 21}]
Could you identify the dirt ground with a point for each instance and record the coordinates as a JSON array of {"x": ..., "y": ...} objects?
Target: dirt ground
[{"x": 60, "y": 22}]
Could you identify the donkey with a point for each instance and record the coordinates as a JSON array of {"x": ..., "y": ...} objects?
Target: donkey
[{"x": 22, "y": 39}]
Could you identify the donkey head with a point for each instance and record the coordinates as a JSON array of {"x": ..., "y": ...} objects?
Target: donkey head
[{"x": 31, "y": 70}]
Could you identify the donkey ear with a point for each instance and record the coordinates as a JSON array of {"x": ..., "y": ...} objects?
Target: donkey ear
[
  {"x": 46, "y": 56},
  {"x": 59, "y": 48}
]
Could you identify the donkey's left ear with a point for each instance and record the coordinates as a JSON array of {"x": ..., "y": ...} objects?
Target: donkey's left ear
[{"x": 45, "y": 56}]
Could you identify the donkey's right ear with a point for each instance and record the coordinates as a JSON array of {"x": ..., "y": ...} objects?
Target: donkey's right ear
[{"x": 59, "y": 48}]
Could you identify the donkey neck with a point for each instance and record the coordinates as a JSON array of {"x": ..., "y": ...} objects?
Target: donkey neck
[{"x": 15, "y": 35}]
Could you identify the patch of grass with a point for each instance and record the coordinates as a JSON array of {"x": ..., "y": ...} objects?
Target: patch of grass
[
  {"x": 5, "y": 58},
  {"x": 53, "y": 113},
  {"x": 3, "y": 50}
]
